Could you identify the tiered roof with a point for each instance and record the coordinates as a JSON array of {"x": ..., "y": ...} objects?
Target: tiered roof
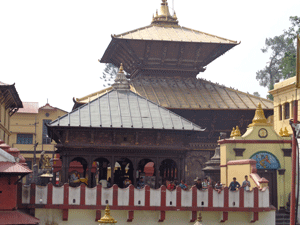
[
  {"x": 165, "y": 45},
  {"x": 188, "y": 93}
]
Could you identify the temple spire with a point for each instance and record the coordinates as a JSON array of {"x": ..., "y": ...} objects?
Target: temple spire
[
  {"x": 259, "y": 117},
  {"x": 121, "y": 81},
  {"x": 164, "y": 17}
]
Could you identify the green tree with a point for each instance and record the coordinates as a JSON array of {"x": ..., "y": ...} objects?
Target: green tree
[
  {"x": 256, "y": 94},
  {"x": 282, "y": 61},
  {"x": 109, "y": 73}
]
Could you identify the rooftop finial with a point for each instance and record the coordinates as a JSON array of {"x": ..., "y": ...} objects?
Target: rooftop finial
[
  {"x": 121, "y": 81},
  {"x": 164, "y": 17},
  {"x": 259, "y": 117}
]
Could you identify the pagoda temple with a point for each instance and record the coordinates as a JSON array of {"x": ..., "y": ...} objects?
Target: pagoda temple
[{"x": 163, "y": 60}]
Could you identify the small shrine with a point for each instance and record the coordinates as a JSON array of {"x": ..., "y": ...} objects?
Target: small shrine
[{"x": 262, "y": 154}]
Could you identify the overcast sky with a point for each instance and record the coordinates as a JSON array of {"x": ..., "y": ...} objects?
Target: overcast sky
[{"x": 50, "y": 49}]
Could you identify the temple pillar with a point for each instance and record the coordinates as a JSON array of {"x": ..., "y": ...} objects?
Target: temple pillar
[
  {"x": 113, "y": 162},
  {"x": 134, "y": 171},
  {"x": 90, "y": 174},
  {"x": 65, "y": 169}
]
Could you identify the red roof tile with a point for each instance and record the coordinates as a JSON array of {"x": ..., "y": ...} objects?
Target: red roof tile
[
  {"x": 10, "y": 167},
  {"x": 16, "y": 217},
  {"x": 29, "y": 107}
]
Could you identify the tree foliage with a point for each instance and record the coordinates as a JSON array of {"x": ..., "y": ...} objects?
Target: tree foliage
[
  {"x": 282, "y": 61},
  {"x": 109, "y": 73}
]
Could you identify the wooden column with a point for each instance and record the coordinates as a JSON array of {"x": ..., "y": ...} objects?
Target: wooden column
[{"x": 112, "y": 170}]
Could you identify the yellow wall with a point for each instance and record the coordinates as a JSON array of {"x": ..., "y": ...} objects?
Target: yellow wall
[
  {"x": 32, "y": 123},
  {"x": 284, "y": 92},
  {"x": 239, "y": 171}
]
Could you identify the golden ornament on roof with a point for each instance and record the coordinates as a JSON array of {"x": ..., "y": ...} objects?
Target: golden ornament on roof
[
  {"x": 232, "y": 132},
  {"x": 281, "y": 132},
  {"x": 164, "y": 17},
  {"x": 285, "y": 133},
  {"x": 259, "y": 117},
  {"x": 107, "y": 218},
  {"x": 237, "y": 132}
]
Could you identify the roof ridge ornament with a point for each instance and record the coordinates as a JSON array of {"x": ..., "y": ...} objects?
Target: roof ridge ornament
[
  {"x": 259, "y": 118},
  {"x": 164, "y": 17},
  {"x": 121, "y": 81}
]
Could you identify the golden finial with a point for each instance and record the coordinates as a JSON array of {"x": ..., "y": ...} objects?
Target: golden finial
[
  {"x": 232, "y": 134},
  {"x": 121, "y": 70},
  {"x": 281, "y": 132},
  {"x": 237, "y": 132},
  {"x": 107, "y": 218},
  {"x": 285, "y": 133},
  {"x": 174, "y": 16},
  {"x": 259, "y": 117}
]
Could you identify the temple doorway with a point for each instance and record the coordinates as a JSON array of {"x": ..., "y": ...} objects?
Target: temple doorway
[
  {"x": 147, "y": 172},
  {"x": 123, "y": 172},
  {"x": 102, "y": 173},
  {"x": 168, "y": 171},
  {"x": 271, "y": 176},
  {"x": 77, "y": 173}
]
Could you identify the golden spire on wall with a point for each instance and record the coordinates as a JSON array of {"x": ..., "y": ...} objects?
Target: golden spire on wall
[
  {"x": 259, "y": 117},
  {"x": 107, "y": 218}
]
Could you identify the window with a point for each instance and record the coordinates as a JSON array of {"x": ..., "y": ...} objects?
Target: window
[
  {"x": 46, "y": 139},
  {"x": 280, "y": 112},
  {"x": 24, "y": 138},
  {"x": 287, "y": 110}
]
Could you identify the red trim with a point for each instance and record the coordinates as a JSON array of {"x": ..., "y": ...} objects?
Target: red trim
[
  {"x": 255, "y": 217},
  {"x": 242, "y": 162},
  {"x": 162, "y": 216},
  {"x": 224, "y": 217},
  {"x": 163, "y": 196},
  {"x": 242, "y": 192},
  {"x": 66, "y": 195},
  {"x": 50, "y": 194},
  {"x": 19, "y": 194},
  {"x": 147, "y": 195},
  {"x": 194, "y": 197},
  {"x": 131, "y": 196},
  {"x": 229, "y": 141},
  {"x": 255, "y": 197},
  {"x": 32, "y": 193},
  {"x": 178, "y": 196},
  {"x": 99, "y": 189},
  {"x": 210, "y": 197},
  {"x": 115, "y": 195},
  {"x": 82, "y": 194},
  {"x": 223, "y": 165},
  {"x": 155, "y": 208},
  {"x": 226, "y": 197},
  {"x": 98, "y": 215},
  {"x": 65, "y": 214},
  {"x": 130, "y": 216},
  {"x": 194, "y": 216}
]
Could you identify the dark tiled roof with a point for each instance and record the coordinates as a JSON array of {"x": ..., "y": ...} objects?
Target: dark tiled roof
[{"x": 124, "y": 109}]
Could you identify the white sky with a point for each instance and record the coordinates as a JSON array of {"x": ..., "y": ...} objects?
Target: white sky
[{"x": 50, "y": 49}]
